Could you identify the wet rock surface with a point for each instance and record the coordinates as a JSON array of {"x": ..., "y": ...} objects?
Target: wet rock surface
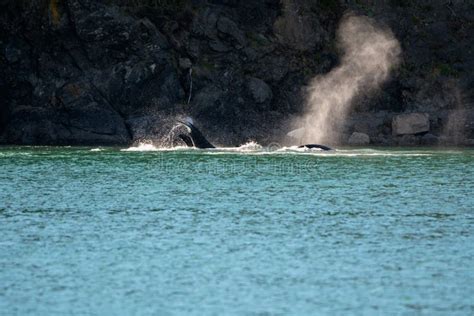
[{"x": 113, "y": 72}]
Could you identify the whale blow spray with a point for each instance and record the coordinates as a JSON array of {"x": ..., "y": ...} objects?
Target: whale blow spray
[{"x": 369, "y": 52}]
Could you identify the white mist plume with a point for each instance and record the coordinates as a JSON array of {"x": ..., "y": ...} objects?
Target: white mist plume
[{"x": 369, "y": 54}]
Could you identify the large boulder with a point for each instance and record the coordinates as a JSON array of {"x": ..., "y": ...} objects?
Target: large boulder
[
  {"x": 410, "y": 123},
  {"x": 359, "y": 139}
]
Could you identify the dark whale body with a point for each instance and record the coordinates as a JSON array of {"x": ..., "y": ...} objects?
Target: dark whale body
[
  {"x": 195, "y": 137},
  {"x": 311, "y": 146},
  {"x": 186, "y": 139}
]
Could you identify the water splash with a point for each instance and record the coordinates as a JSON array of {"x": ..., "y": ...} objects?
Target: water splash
[
  {"x": 170, "y": 139},
  {"x": 254, "y": 149},
  {"x": 370, "y": 52},
  {"x": 142, "y": 146},
  {"x": 249, "y": 146}
]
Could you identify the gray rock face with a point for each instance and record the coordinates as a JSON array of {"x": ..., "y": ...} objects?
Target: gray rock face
[
  {"x": 85, "y": 126},
  {"x": 359, "y": 139},
  {"x": 410, "y": 123},
  {"x": 260, "y": 91},
  {"x": 103, "y": 73},
  {"x": 96, "y": 69}
]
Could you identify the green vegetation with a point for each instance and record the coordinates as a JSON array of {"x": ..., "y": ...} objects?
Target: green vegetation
[
  {"x": 401, "y": 3},
  {"x": 172, "y": 5},
  {"x": 51, "y": 8},
  {"x": 204, "y": 67},
  {"x": 257, "y": 40},
  {"x": 407, "y": 69},
  {"x": 426, "y": 7},
  {"x": 444, "y": 69},
  {"x": 367, "y": 8},
  {"x": 329, "y": 5},
  {"x": 205, "y": 64},
  {"x": 52, "y": 4},
  {"x": 415, "y": 19}
]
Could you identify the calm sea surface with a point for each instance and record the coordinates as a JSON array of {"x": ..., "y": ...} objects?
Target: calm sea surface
[{"x": 246, "y": 232}]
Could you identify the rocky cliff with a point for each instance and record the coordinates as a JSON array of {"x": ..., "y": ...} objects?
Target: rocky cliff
[{"x": 119, "y": 71}]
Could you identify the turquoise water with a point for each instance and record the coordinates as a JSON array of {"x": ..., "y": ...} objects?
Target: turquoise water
[{"x": 113, "y": 232}]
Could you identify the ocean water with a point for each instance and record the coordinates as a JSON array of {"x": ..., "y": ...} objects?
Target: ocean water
[{"x": 247, "y": 231}]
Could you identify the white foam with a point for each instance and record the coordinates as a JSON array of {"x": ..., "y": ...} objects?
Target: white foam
[
  {"x": 146, "y": 146},
  {"x": 247, "y": 147},
  {"x": 250, "y": 146},
  {"x": 141, "y": 147},
  {"x": 253, "y": 148},
  {"x": 294, "y": 150}
]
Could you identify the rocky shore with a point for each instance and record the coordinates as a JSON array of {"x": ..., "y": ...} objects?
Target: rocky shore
[{"x": 83, "y": 72}]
